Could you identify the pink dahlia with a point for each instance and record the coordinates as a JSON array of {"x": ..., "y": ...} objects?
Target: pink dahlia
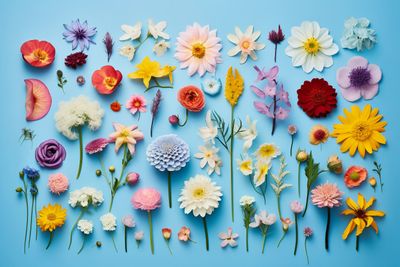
[
  {"x": 197, "y": 49},
  {"x": 326, "y": 195},
  {"x": 97, "y": 145},
  {"x": 58, "y": 183},
  {"x": 147, "y": 199},
  {"x": 136, "y": 103}
]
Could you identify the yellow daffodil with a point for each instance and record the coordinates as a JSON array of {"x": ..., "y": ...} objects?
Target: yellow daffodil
[
  {"x": 245, "y": 166},
  {"x": 262, "y": 168},
  {"x": 267, "y": 151}
]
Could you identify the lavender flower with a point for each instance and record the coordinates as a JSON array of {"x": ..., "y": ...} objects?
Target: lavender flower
[
  {"x": 108, "y": 43},
  {"x": 154, "y": 109},
  {"x": 79, "y": 34}
]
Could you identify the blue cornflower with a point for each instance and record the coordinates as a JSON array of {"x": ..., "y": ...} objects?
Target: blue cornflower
[
  {"x": 31, "y": 173},
  {"x": 79, "y": 34}
]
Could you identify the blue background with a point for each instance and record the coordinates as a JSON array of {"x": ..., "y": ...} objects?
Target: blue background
[{"x": 24, "y": 20}]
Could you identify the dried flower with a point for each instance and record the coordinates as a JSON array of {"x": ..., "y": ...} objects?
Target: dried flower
[
  {"x": 335, "y": 164},
  {"x": 108, "y": 43},
  {"x": 154, "y": 109},
  {"x": 276, "y": 37},
  {"x": 75, "y": 59},
  {"x": 80, "y": 80}
]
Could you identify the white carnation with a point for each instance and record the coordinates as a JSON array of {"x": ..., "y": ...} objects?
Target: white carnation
[
  {"x": 109, "y": 222},
  {"x": 85, "y": 226},
  {"x": 247, "y": 200},
  {"x": 85, "y": 196}
]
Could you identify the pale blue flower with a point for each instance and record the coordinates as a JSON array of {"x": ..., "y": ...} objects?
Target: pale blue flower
[
  {"x": 358, "y": 35},
  {"x": 211, "y": 86}
]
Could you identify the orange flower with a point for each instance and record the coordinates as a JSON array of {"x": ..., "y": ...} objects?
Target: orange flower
[
  {"x": 37, "y": 53},
  {"x": 354, "y": 176},
  {"x": 319, "y": 134},
  {"x": 191, "y": 98},
  {"x": 106, "y": 79},
  {"x": 166, "y": 232},
  {"x": 115, "y": 106}
]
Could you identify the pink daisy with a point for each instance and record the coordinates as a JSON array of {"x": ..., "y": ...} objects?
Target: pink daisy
[
  {"x": 198, "y": 49},
  {"x": 136, "y": 103}
]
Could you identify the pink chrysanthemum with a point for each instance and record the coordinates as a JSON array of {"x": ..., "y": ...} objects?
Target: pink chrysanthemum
[
  {"x": 97, "y": 145},
  {"x": 147, "y": 199},
  {"x": 326, "y": 195},
  {"x": 136, "y": 103},
  {"x": 198, "y": 49},
  {"x": 58, "y": 183}
]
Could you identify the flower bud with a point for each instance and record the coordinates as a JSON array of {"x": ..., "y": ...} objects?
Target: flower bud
[
  {"x": 372, "y": 181},
  {"x": 301, "y": 155},
  {"x": 21, "y": 174},
  {"x": 98, "y": 172},
  {"x": 80, "y": 80},
  {"x": 335, "y": 164},
  {"x": 132, "y": 178},
  {"x": 166, "y": 232},
  {"x": 173, "y": 119},
  {"x": 111, "y": 169},
  {"x": 34, "y": 191},
  {"x": 98, "y": 244},
  {"x": 18, "y": 189}
]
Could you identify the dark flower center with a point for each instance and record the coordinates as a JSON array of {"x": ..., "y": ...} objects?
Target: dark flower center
[
  {"x": 80, "y": 34},
  {"x": 319, "y": 134},
  {"x": 359, "y": 77},
  {"x": 360, "y": 213}
]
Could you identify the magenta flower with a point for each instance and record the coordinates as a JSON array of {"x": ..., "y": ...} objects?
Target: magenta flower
[
  {"x": 359, "y": 79},
  {"x": 97, "y": 145},
  {"x": 228, "y": 238}
]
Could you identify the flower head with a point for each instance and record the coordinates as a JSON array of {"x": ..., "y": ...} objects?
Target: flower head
[
  {"x": 131, "y": 32},
  {"x": 75, "y": 59},
  {"x": 160, "y": 48},
  {"x": 126, "y": 135},
  {"x": 37, "y": 53},
  {"x": 139, "y": 236},
  {"x": 355, "y": 176},
  {"x": 184, "y": 234},
  {"x": 286, "y": 223},
  {"x": 132, "y": 178},
  {"x": 157, "y": 29},
  {"x": 326, "y": 195},
  {"x": 248, "y": 134},
  {"x": 247, "y": 200},
  {"x": 127, "y": 51},
  {"x": 31, "y": 173},
  {"x": 263, "y": 218},
  {"x": 197, "y": 49},
  {"x": 208, "y": 155},
  {"x": 308, "y": 232},
  {"x": 228, "y": 239},
  {"x": 58, "y": 183},
  {"x": 335, "y": 164},
  {"x": 51, "y": 217},
  {"x": 262, "y": 167},
  {"x": 296, "y": 206},
  {"x": 85, "y": 226},
  {"x": 200, "y": 195},
  {"x": 50, "y": 154},
  {"x": 301, "y": 155},
  {"x": 136, "y": 103},
  {"x": 166, "y": 232},
  {"x": 292, "y": 129},
  {"x": 106, "y": 79},
  {"x": 210, "y": 131},
  {"x": 146, "y": 199},
  {"x": 211, "y": 86},
  {"x": 234, "y": 86},
  {"x": 37, "y": 101},
  {"x": 191, "y": 98},
  {"x": 80, "y": 80},
  {"x": 357, "y": 34},
  {"x": 79, "y": 34},
  {"x": 276, "y": 37},
  {"x": 128, "y": 221},
  {"x": 85, "y": 196},
  {"x": 267, "y": 151},
  {"x": 109, "y": 222},
  {"x": 319, "y": 134},
  {"x": 245, "y": 166}
]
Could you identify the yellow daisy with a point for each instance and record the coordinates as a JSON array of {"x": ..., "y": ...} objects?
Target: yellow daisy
[
  {"x": 360, "y": 130},
  {"x": 267, "y": 151},
  {"x": 51, "y": 217}
]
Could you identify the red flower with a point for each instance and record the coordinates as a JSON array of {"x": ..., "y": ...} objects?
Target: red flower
[
  {"x": 37, "y": 53},
  {"x": 317, "y": 98},
  {"x": 191, "y": 98},
  {"x": 115, "y": 106},
  {"x": 106, "y": 80},
  {"x": 76, "y": 59}
]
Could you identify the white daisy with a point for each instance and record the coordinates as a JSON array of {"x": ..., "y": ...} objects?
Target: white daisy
[
  {"x": 247, "y": 200},
  {"x": 157, "y": 29},
  {"x": 131, "y": 32},
  {"x": 211, "y": 86},
  {"x": 161, "y": 47}
]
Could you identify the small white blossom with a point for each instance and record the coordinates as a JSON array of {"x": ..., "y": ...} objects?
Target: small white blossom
[
  {"x": 127, "y": 51},
  {"x": 247, "y": 200},
  {"x": 131, "y": 32},
  {"x": 157, "y": 29},
  {"x": 109, "y": 222},
  {"x": 85, "y": 226},
  {"x": 161, "y": 47},
  {"x": 85, "y": 196}
]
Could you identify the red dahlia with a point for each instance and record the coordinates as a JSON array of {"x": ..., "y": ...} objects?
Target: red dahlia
[
  {"x": 75, "y": 59},
  {"x": 317, "y": 98}
]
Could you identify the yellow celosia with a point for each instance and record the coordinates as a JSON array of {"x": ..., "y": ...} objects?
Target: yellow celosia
[{"x": 234, "y": 86}]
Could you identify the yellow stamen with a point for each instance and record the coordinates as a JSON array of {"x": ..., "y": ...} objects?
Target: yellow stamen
[
  {"x": 311, "y": 46},
  {"x": 198, "y": 50}
]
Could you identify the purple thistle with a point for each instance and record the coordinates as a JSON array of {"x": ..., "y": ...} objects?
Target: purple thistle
[
  {"x": 79, "y": 34},
  {"x": 154, "y": 109},
  {"x": 108, "y": 42},
  {"x": 276, "y": 37}
]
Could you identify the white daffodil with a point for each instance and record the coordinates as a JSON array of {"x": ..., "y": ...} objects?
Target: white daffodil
[
  {"x": 245, "y": 166},
  {"x": 160, "y": 48},
  {"x": 131, "y": 32},
  {"x": 127, "y": 51},
  {"x": 208, "y": 155},
  {"x": 262, "y": 167},
  {"x": 209, "y": 132},
  {"x": 245, "y": 43},
  {"x": 267, "y": 151},
  {"x": 311, "y": 47},
  {"x": 157, "y": 29},
  {"x": 248, "y": 134}
]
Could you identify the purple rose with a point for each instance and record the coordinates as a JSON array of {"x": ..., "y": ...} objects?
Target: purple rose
[{"x": 50, "y": 154}]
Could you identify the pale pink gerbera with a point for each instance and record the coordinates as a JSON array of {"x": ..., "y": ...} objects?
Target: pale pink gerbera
[
  {"x": 58, "y": 183},
  {"x": 136, "y": 103},
  {"x": 326, "y": 195},
  {"x": 198, "y": 49},
  {"x": 126, "y": 135}
]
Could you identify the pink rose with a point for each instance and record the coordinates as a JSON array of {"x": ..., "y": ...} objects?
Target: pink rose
[
  {"x": 58, "y": 183},
  {"x": 146, "y": 199}
]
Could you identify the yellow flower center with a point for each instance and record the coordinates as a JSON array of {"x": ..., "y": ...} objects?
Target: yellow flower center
[
  {"x": 40, "y": 54},
  {"x": 361, "y": 131},
  {"x": 110, "y": 82},
  {"x": 354, "y": 176},
  {"x": 124, "y": 133},
  {"x": 267, "y": 151},
  {"x": 199, "y": 193},
  {"x": 198, "y": 50},
  {"x": 246, "y": 44},
  {"x": 208, "y": 154},
  {"x": 246, "y": 165},
  {"x": 311, "y": 46},
  {"x": 137, "y": 104},
  {"x": 51, "y": 217}
]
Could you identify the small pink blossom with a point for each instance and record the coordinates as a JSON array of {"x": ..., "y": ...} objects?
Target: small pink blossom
[
  {"x": 147, "y": 199},
  {"x": 296, "y": 206},
  {"x": 132, "y": 178},
  {"x": 308, "y": 232},
  {"x": 58, "y": 183},
  {"x": 228, "y": 238},
  {"x": 136, "y": 103},
  {"x": 184, "y": 234},
  {"x": 97, "y": 145},
  {"x": 292, "y": 129},
  {"x": 128, "y": 221}
]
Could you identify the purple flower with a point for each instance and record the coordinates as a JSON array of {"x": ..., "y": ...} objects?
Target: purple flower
[
  {"x": 50, "y": 154},
  {"x": 31, "y": 173},
  {"x": 270, "y": 75},
  {"x": 359, "y": 79},
  {"x": 276, "y": 37},
  {"x": 79, "y": 34},
  {"x": 308, "y": 232},
  {"x": 97, "y": 145},
  {"x": 108, "y": 43}
]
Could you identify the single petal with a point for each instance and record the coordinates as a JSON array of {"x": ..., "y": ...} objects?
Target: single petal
[
  {"x": 369, "y": 91},
  {"x": 376, "y": 74},
  {"x": 343, "y": 77},
  {"x": 356, "y": 62},
  {"x": 351, "y": 94}
]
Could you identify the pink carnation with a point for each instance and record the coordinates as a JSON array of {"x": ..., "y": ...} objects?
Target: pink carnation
[
  {"x": 326, "y": 195},
  {"x": 146, "y": 199},
  {"x": 58, "y": 183},
  {"x": 296, "y": 206}
]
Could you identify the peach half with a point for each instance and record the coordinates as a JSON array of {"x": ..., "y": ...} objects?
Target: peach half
[{"x": 38, "y": 99}]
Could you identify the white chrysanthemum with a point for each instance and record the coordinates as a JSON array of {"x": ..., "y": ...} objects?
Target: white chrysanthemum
[
  {"x": 311, "y": 47},
  {"x": 200, "y": 195},
  {"x": 85, "y": 196},
  {"x": 85, "y": 226},
  {"x": 247, "y": 200},
  {"x": 77, "y": 112},
  {"x": 109, "y": 222}
]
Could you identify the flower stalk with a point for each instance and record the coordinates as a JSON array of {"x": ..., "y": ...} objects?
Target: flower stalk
[
  {"x": 79, "y": 129},
  {"x": 206, "y": 232},
  {"x": 151, "y": 232},
  {"x": 83, "y": 210},
  {"x": 297, "y": 233}
]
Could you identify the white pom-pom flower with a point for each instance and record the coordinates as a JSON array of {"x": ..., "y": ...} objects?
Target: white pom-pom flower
[
  {"x": 109, "y": 222},
  {"x": 85, "y": 226}
]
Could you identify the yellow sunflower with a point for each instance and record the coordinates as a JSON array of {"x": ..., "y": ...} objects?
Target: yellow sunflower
[
  {"x": 51, "y": 217},
  {"x": 363, "y": 218},
  {"x": 360, "y": 130}
]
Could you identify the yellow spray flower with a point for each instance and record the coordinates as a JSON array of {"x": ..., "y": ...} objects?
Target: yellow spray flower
[
  {"x": 234, "y": 85},
  {"x": 51, "y": 217},
  {"x": 360, "y": 130},
  {"x": 267, "y": 151}
]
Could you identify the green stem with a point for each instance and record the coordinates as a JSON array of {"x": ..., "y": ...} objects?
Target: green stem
[
  {"x": 305, "y": 248},
  {"x": 278, "y": 199},
  {"x": 206, "y": 232},
  {"x": 113, "y": 240},
  {"x": 280, "y": 240},
  {"x": 298, "y": 177},
  {"x": 151, "y": 125},
  {"x": 50, "y": 239},
  {"x": 79, "y": 129},
  {"x": 36, "y": 225},
  {"x": 357, "y": 242},
  {"x": 151, "y": 232},
  {"x": 141, "y": 42},
  {"x": 247, "y": 239},
  {"x": 169, "y": 190},
  {"x": 263, "y": 242},
  {"x": 27, "y": 214},
  {"x": 73, "y": 227},
  {"x": 308, "y": 195},
  {"x": 83, "y": 245},
  {"x": 112, "y": 201},
  {"x": 157, "y": 85},
  {"x": 126, "y": 238},
  {"x": 169, "y": 248},
  {"x": 328, "y": 222},
  {"x": 291, "y": 146},
  {"x": 231, "y": 162},
  {"x": 297, "y": 234},
  {"x": 31, "y": 219},
  {"x": 186, "y": 119}
]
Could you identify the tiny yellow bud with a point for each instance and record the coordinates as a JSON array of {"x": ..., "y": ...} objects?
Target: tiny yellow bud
[
  {"x": 372, "y": 181},
  {"x": 301, "y": 155},
  {"x": 111, "y": 169}
]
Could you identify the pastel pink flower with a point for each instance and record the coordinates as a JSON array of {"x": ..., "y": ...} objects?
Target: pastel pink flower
[
  {"x": 132, "y": 178},
  {"x": 136, "y": 103},
  {"x": 359, "y": 79},
  {"x": 128, "y": 221},
  {"x": 296, "y": 206},
  {"x": 326, "y": 195},
  {"x": 58, "y": 183},
  {"x": 228, "y": 238},
  {"x": 146, "y": 199},
  {"x": 126, "y": 135}
]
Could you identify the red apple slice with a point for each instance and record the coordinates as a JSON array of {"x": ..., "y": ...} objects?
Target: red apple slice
[{"x": 38, "y": 99}]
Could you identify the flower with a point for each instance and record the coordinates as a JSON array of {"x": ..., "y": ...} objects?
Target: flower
[
  {"x": 136, "y": 103},
  {"x": 276, "y": 37},
  {"x": 200, "y": 195},
  {"x": 228, "y": 238},
  {"x": 127, "y": 51},
  {"x": 296, "y": 206},
  {"x": 191, "y": 98},
  {"x": 262, "y": 167},
  {"x": 197, "y": 49},
  {"x": 168, "y": 152},
  {"x": 79, "y": 34},
  {"x": 292, "y": 129},
  {"x": 85, "y": 226},
  {"x": 31, "y": 173},
  {"x": 247, "y": 200},
  {"x": 301, "y": 155},
  {"x": 267, "y": 151},
  {"x": 308, "y": 232},
  {"x": 126, "y": 135},
  {"x": 97, "y": 145},
  {"x": 50, "y": 154},
  {"x": 37, "y": 53},
  {"x": 248, "y": 134},
  {"x": 58, "y": 183},
  {"x": 358, "y": 79},
  {"x": 38, "y": 100},
  {"x": 146, "y": 199},
  {"x": 128, "y": 221},
  {"x": 234, "y": 86},
  {"x": 161, "y": 47},
  {"x": 109, "y": 45},
  {"x": 51, "y": 217},
  {"x": 157, "y": 29},
  {"x": 357, "y": 34},
  {"x": 263, "y": 218},
  {"x": 173, "y": 119},
  {"x": 211, "y": 86},
  {"x": 311, "y": 47},
  {"x": 355, "y": 176},
  {"x": 208, "y": 155},
  {"x": 372, "y": 182},
  {"x": 210, "y": 132},
  {"x": 75, "y": 59},
  {"x": 246, "y": 43},
  {"x": 139, "y": 236},
  {"x": 216, "y": 168},
  {"x": 115, "y": 106},
  {"x": 335, "y": 164},
  {"x": 106, "y": 79},
  {"x": 319, "y": 134},
  {"x": 132, "y": 178},
  {"x": 286, "y": 223},
  {"x": 154, "y": 109},
  {"x": 363, "y": 218},
  {"x": 109, "y": 222},
  {"x": 80, "y": 80},
  {"x": 245, "y": 166},
  {"x": 131, "y": 32},
  {"x": 85, "y": 196},
  {"x": 184, "y": 234},
  {"x": 166, "y": 232},
  {"x": 317, "y": 98},
  {"x": 360, "y": 130},
  {"x": 326, "y": 195}
]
